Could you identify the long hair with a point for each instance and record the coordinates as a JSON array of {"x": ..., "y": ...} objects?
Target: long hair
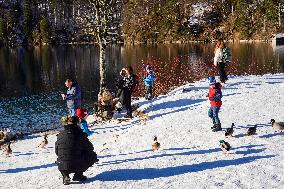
[
  {"x": 130, "y": 69},
  {"x": 219, "y": 45}
]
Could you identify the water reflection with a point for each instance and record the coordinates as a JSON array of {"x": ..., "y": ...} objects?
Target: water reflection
[{"x": 44, "y": 69}]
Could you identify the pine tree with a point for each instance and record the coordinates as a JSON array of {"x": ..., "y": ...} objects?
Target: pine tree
[
  {"x": 27, "y": 25},
  {"x": 45, "y": 30},
  {"x": 3, "y": 31},
  {"x": 14, "y": 26}
]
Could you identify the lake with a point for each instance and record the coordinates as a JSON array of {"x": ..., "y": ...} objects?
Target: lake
[{"x": 32, "y": 79}]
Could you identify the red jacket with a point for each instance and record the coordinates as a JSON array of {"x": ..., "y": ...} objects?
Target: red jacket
[{"x": 212, "y": 94}]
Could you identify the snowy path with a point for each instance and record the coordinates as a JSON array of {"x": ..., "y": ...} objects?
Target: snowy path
[{"x": 189, "y": 157}]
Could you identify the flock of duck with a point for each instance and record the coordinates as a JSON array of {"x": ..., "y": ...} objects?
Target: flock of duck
[{"x": 225, "y": 146}]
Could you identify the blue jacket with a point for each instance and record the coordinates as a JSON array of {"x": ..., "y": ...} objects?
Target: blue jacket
[
  {"x": 73, "y": 96},
  {"x": 149, "y": 80},
  {"x": 84, "y": 127}
]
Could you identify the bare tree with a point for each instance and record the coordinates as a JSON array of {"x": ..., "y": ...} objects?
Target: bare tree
[{"x": 102, "y": 18}]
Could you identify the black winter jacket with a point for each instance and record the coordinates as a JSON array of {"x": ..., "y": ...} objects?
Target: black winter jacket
[
  {"x": 74, "y": 150},
  {"x": 125, "y": 89}
]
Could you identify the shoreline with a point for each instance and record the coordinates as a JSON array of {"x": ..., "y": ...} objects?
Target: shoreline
[
  {"x": 20, "y": 135},
  {"x": 128, "y": 44}
]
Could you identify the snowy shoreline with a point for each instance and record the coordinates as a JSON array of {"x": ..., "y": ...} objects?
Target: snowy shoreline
[{"x": 190, "y": 156}]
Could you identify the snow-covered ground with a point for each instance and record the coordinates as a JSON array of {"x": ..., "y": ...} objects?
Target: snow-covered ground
[{"x": 189, "y": 157}]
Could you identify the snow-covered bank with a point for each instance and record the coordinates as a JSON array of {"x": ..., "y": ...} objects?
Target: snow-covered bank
[{"x": 189, "y": 157}]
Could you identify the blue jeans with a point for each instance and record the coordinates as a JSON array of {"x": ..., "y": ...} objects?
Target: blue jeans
[
  {"x": 72, "y": 112},
  {"x": 213, "y": 114},
  {"x": 149, "y": 92}
]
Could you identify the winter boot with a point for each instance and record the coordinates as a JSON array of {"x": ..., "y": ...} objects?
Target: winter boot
[
  {"x": 217, "y": 128},
  {"x": 214, "y": 126},
  {"x": 97, "y": 160},
  {"x": 79, "y": 177},
  {"x": 66, "y": 180}
]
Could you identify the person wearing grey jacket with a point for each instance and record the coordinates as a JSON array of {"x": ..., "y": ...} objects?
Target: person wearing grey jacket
[{"x": 72, "y": 96}]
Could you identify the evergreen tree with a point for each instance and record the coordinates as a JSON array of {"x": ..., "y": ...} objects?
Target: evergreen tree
[
  {"x": 45, "y": 30},
  {"x": 14, "y": 26},
  {"x": 27, "y": 25},
  {"x": 3, "y": 31}
]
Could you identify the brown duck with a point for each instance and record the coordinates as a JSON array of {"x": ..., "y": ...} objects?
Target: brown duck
[{"x": 156, "y": 145}]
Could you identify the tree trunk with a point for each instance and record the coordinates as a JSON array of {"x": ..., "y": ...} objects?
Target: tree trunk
[{"x": 102, "y": 65}]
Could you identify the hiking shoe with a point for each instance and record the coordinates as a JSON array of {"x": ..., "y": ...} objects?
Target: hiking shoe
[
  {"x": 214, "y": 126},
  {"x": 217, "y": 128},
  {"x": 66, "y": 180},
  {"x": 78, "y": 177},
  {"x": 128, "y": 116}
]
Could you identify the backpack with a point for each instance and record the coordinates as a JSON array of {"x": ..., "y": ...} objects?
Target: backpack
[
  {"x": 218, "y": 96},
  {"x": 135, "y": 84},
  {"x": 227, "y": 55}
]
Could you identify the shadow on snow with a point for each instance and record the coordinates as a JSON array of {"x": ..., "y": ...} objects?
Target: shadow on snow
[
  {"x": 18, "y": 170},
  {"x": 153, "y": 173}
]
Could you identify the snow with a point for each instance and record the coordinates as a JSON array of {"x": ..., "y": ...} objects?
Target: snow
[
  {"x": 197, "y": 13},
  {"x": 279, "y": 35},
  {"x": 189, "y": 157}
]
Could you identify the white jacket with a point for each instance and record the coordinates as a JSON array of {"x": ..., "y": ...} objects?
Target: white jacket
[{"x": 218, "y": 56}]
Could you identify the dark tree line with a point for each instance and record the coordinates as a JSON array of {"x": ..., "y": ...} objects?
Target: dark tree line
[{"x": 34, "y": 22}]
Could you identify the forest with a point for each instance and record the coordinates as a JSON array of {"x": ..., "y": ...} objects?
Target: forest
[{"x": 37, "y": 22}]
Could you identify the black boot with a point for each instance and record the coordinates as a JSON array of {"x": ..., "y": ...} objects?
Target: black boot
[
  {"x": 214, "y": 126},
  {"x": 217, "y": 128},
  {"x": 79, "y": 177},
  {"x": 66, "y": 180}
]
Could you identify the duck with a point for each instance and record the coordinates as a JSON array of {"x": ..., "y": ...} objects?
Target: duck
[
  {"x": 225, "y": 146},
  {"x": 277, "y": 126},
  {"x": 156, "y": 145},
  {"x": 44, "y": 142},
  {"x": 252, "y": 130},
  {"x": 8, "y": 150},
  {"x": 230, "y": 131}
]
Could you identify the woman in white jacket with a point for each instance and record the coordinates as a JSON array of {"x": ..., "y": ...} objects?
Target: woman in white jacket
[{"x": 219, "y": 62}]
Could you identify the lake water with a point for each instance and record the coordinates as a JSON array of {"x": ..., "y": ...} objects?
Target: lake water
[{"x": 31, "y": 80}]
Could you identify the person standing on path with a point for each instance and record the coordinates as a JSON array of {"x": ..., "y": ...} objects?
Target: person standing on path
[
  {"x": 149, "y": 79},
  {"x": 214, "y": 96},
  {"x": 125, "y": 88},
  {"x": 72, "y": 96},
  {"x": 219, "y": 61}
]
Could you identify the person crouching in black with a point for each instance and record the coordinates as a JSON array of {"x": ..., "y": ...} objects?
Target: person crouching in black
[{"x": 74, "y": 150}]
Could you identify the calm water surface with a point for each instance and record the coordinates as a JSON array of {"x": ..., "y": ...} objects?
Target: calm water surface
[{"x": 31, "y": 80}]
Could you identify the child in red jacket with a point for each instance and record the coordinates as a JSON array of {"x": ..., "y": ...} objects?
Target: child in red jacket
[{"x": 215, "y": 95}]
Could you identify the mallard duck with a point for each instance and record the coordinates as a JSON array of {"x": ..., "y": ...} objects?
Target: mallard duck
[
  {"x": 277, "y": 126},
  {"x": 252, "y": 130},
  {"x": 156, "y": 145},
  {"x": 44, "y": 142},
  {"x": 8, "y": 150},
  {"x": 230, "y": 131},
  {"x": 225, "y": 146}
]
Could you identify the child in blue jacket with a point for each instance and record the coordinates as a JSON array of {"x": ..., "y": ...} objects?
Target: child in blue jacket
[
  {"x": 149, "y": 79},
  {"x": 82, "y": 114}
]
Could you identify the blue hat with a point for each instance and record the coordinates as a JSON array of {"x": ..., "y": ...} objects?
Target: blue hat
[
  {"x": 212, "y": 80},
  {"x": 148, "y": 67}
]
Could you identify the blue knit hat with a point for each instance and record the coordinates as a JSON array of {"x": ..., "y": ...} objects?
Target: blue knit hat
[
  {"x": 212, "y": 80},
  {"x": 148, "y": 67}
]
